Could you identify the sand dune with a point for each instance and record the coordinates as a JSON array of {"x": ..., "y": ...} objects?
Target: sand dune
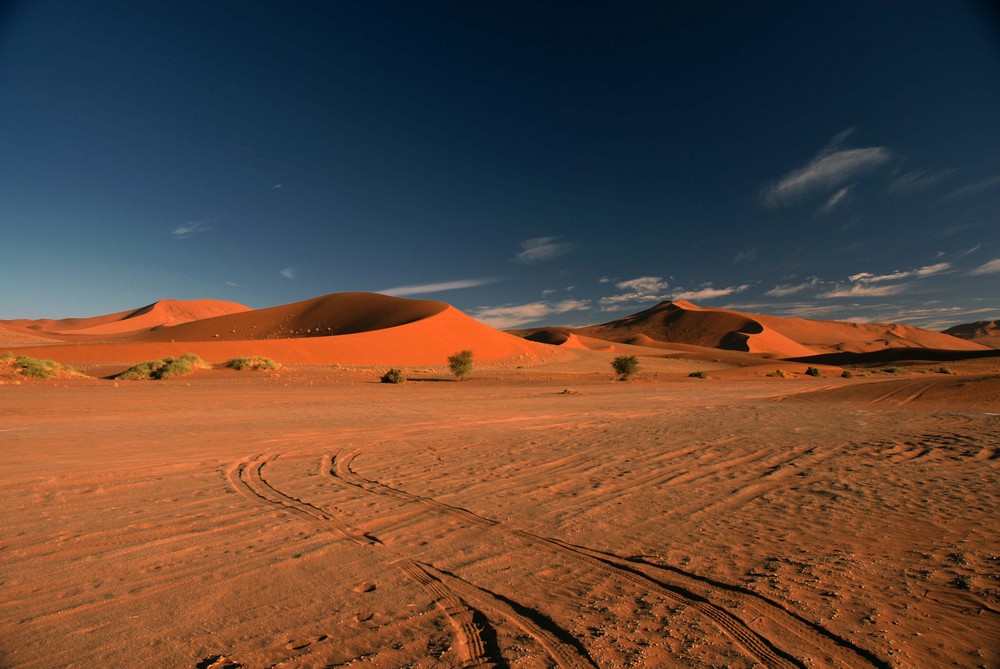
[
  {"x": 157, "y": 314},
  {"x": 986, "y": 333},
  {"x": 685, "y": 323}
]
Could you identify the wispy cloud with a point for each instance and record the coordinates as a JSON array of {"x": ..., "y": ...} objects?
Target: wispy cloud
[
  {"x": 288, "y": 273},
  {"x": 917, "y": 180},
  {"x": 836, "y": 199},
  {"x": 233, "y": 284},
  {"x": 829, "y": 169},
  {"x": 513, "y": 315},
  {"x": 641, "y": 289},
  {"x": 920, "y": 273},
  {"x": 746, "y": 255},
  {"x": 991, "y": 267},
  {"x": 792, "y": 289},
  {"x": 973, "y": 189},
  {"x": 420, "y": 288},
  {"x": 538, "y": 249},
  {"x": 191, "y": 228},
  {"x": 708, "y": 292},
  {"x": 864, "y": 290}
]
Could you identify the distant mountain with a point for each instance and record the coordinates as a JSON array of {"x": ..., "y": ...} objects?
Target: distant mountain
[
  {"x": 986, "y": 333},
  {"x": 681, "y": 322}
]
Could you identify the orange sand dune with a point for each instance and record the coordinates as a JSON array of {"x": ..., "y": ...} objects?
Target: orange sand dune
[
  {"x": 163, "y": 312},
  {"x": 951, "y": 391},
  {"x": 986, "y": 333},
  {"x": 428, "y": 334},
  {"x": 685, "y": 323}
]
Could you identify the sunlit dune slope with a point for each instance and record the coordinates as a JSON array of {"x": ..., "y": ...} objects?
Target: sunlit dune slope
[
  {"x": 157, "y": 314},
  {"x": 684, "y": 323}
]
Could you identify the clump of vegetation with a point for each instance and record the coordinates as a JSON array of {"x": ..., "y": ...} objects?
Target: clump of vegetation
[
  {"x": 891, "y": 370},
  {"x": 253, "y": 363},
  {"x": 779, "y": 373},
  {"x": 846, "y": 374},
  {"x": 394, "y": 375},
  {"x": 812, "y": 371},
  {"x": 460, "y": 364},
  {"x": 36, "y": 368},
  {"x": 6, "y": 355},
  {"x": 625, "y": 366},
  {"x": 165, "y": 368},
  {"x": 698, "y": 375},
  {"x": 945, "y": 370}
]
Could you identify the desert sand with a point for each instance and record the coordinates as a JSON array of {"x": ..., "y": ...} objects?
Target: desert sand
[{"x": 538, "y": 514}]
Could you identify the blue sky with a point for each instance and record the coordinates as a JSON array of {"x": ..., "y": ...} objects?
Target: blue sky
[{"x": 556, "y": 163}]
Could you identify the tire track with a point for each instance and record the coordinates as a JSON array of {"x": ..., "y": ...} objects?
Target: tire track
[{"x": 840, "y": 652}]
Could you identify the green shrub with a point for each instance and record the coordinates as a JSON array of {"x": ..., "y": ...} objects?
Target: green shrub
[
  {"x": 254, "y": 363},
  {"x": 39, "y": 369},
  {"x": 945, "y": 370},
  {"x": 460, "y": 363},
  {"x": 7, "y": 355},
  {"x": 891, "y": 370},
  {"x": 779, "y": 373},
  {"x": 698, "y": 375},
  {"x": 846, "y": 374},
  {"x": 625, "y": 366},
  {"x": 394, "y": 375},
  {"x": 165, "y": 368},
  {"x": 812, "y": 371}
]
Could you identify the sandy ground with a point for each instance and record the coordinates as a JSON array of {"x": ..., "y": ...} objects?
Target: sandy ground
[{"x": 317, "y": 519}]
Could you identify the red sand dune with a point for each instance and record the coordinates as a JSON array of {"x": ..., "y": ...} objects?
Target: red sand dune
[
  {"x": 345, "y": 328},
  {"x": 986, "y": 333},
  {"x": 684, "y": 323},
  {"x": 157, "y": 314}
]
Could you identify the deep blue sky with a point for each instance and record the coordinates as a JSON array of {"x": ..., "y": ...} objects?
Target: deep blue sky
[{"x": 558, "y": 163}]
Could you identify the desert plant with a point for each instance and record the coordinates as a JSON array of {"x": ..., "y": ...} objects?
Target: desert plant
[
  {"x": 6, "y": 355},
  {"x": 891, "y": 370},
  {"x": 698, "y": 375},
  {"x": 39, "y": 369},
  {"x": 394, "y": 375},
  {"x": 945, "y": 370},
  {"x": 460, "y": 363},
  {"x": 165, "y": 368},
  {"x": 846, "y": 374},
  {"x": 625, "y": 366},
  {"x": 812, "y": 371},
  {"x": 779, "y": 373},
  {"x": 253, "y": 363}
]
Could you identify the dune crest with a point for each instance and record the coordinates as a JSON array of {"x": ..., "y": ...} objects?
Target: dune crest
[{"x": 986, "y": 333}]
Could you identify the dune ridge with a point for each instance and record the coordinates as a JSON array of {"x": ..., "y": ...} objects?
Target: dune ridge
[{"x": 986, "y": 333}]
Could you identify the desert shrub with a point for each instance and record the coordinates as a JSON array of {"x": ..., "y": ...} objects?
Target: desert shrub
[
  {"x": 460, "y": 363},
  {"x": 891, "y": 370},
  {"x": 846, "y": 374},
  {"x": 945, "y": 370},
  {"x": 165, "y": 368},
  {"x": 253, "y": 363},
  {"x": 39, "y": 369},
  {"x": 812, "y": 371},
  {"x": 6, "y": 355},
  {"x": 625, "y": 366},
  {"x": 698, "y": 375},
  {"x": 779, "y": 373},
  {"x": 394, "y": 375}
]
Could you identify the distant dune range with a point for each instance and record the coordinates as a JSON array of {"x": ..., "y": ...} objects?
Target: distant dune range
[
  {"x": 374, "y": 329},
  {"x": 986, "y": 333}
]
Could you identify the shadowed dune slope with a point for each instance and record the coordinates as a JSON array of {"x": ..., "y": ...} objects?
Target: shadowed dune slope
[
  {"x": 986, "y": 333},
  {"x": 684, "y": 323},
  {"x": 157, "y": 314}
]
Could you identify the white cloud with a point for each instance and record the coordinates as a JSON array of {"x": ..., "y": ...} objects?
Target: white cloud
[
  {"x": 792, "y": 289},
  {"x": 538, "y": 249},
  {"x": 513, "y": 315},
  {"x": 920, "y": 273},
  {"x": 747, "y": 255},
  {"x": 917, "y": 180},
  {"x": 831, "y": 168},
  {"x": 836, "y": 199},
  {"x": 416, "y": 289},
  {"x": 991, "y": 267},
  {"x": 864, "y": 290},
  {"x": 973, "y": 189},
  {"x": 604, "y": 279},
  {"x": 233, "y": 284},
  {"x": 277, "y": 186},
  {"x": 709, "y": 293},
  {"x": 641, "y": 289},
  {"x": 188, "y": 229},
  {"x": 288, "y": 273}
]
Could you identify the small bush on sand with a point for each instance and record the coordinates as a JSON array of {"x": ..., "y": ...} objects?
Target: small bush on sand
[
  {"x": 625, "y": 366},
  {"x": 39, "y": 369},
  {"x": 698, "y": 375},
  {"x": 891, "y": 370},
  {"x": 165, "y": 368},
  {"x": 812, "y": 371},
  {"x": 394, "y": 375},
  {"x": 778, "y": 373},
  {"x": 846, "y": 374},
  {"x": 6, "y": 355},
  {"x": 945, "y": 370},
  {"x": 460, "y": 364},
  {"x": 254, "y": 363}
]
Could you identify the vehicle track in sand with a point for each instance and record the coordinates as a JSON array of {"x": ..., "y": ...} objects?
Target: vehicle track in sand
[
  {"x": 467, "y": 621},
  {"x": 820, "y": 646}
]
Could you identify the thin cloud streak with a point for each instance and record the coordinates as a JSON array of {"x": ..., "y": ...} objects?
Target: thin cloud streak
[
  {"x": 709, "y": 293},
  {"x": 538, "y": 249},
  {"x": 288, "y": 273},
  {"x": 973, "y": 189},
  {"x": 513, "y": 315},
  {"x": 416, "y": 289},
  {"x": 920, "y": 273},
  {"x": 188, "y": 229},
  {"x": 862, "y": 290},
  {"x": 991, "y": 267}
]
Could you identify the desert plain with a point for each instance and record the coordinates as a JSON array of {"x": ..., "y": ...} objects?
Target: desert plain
[{"x": 540, "y": 513}]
